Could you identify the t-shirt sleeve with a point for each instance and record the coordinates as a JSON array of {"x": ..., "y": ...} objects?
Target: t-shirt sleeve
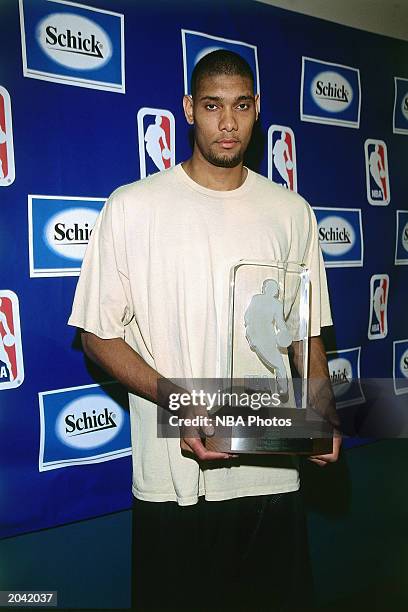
[
  {"x": 320, "y": 313},
  {"x": 102, "y": 302}
]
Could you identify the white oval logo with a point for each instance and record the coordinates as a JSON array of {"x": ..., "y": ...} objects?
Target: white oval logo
[
  {"x": 404, "y": 237},
  {"x": 331, "y": 91},
  {"x": 404, "y": 106},
  {"x": 74, "y": 41},
  {"x": 89, "y": 421},
  {"x": 67, "y": 233},
  {"x": 336, "y": 235},
  {"x": 341, "y": 375},
  {"x": 404, "y": 364}
]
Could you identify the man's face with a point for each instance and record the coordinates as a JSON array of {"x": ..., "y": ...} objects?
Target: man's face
[{"x": 224, "y": 110}]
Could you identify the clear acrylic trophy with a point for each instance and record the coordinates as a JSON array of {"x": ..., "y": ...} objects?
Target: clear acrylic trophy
[{"x": 267, "y": 380}]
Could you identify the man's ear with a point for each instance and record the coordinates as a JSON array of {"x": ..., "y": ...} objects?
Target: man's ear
[
  {"x": 257, "y": 106},
  {"x": 188, "y": 109}
]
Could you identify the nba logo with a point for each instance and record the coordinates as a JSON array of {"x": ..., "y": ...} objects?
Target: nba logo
[
  {"x": 379, "y": 287},
  {"x": 156, "y": 130},
  {"x": 282, "y": 156},
  {"x": 378, "y": 183},
  {"x": 7, "y": 174},
  {"x": 11, "y": 356}
]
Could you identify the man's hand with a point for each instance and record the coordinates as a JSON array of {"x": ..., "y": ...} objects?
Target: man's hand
[
  {"x": 323, "y": 460},
  {"x": 191, "y": 437}
]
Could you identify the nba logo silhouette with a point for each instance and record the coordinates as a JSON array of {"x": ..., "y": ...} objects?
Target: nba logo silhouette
[
  {"x": 282, "y": 156},
  {"x": 379, "y": 287},
  {"x": 156, "y": 131},
  {"x": 6, "y": 140},
  {"x": 378, "y": 183},
  {"x": 11, "y": 355}
]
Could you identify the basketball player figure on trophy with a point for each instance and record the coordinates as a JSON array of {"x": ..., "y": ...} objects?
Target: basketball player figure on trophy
[{"x": 266, "y": 331}]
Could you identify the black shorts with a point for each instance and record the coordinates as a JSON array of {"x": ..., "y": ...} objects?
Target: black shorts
[{"x": 248, "y": 553}]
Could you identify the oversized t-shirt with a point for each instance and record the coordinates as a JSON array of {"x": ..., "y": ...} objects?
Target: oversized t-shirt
[{"x": 156, "y": 273}]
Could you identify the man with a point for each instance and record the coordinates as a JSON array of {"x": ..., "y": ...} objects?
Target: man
[{"x": 152, "y": 301}]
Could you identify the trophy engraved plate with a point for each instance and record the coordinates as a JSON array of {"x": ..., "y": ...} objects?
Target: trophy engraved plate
[{"x": 268, "y": 361}]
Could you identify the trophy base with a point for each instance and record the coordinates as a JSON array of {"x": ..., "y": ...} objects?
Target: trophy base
[{"x": 265, "y": 445}]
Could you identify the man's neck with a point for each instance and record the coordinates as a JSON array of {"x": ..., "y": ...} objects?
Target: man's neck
[{"x": 215, "y": 177}]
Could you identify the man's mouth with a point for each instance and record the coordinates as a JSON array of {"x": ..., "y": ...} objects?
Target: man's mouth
[{"x": 228, "y": 143}]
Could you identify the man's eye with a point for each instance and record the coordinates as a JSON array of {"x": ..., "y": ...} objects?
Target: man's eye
[
  {"x": 243, "y": 106},
  {"x": 211, "y": 106}
]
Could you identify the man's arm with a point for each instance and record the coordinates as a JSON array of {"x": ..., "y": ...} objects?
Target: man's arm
[
  {"x": 125, "y": 365},
  {"x": 320, "y": 392}
]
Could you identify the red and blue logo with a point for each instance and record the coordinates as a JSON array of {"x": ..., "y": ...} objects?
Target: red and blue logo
[
  {"x": 7, "y": 172},
  {"x": 377, "y": 177},
  {"x": 282, "y": 156},
  {"x": 157, "y": 140},
  {"x": 11, "y": 353},
  {"x": 379, "y": 290}
]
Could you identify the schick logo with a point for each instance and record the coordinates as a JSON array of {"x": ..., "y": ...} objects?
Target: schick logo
[
  {"x": 405, "y": 237},
  {"x": 74, "y": 41},
  {"x": 336, "y": 235},
  {"x": 60, "y": 229},
  {"x": 68, "y": 232},
  {"x": 329, "y": 91},
  {"x": 72, "y": 235},
  {"x": 404, "y": 106},
  {"x": 339, "y": 377},
  {"x": 85, "y": 424},
  {"x": 89, "y": 421},
  {"x": 67, "y": 41}
]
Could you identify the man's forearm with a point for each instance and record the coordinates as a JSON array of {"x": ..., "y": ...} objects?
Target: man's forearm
[{"x": 119, "y": 360}]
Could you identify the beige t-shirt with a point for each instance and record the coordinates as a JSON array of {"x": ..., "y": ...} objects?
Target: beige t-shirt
[{"x": 156, "y": 273}]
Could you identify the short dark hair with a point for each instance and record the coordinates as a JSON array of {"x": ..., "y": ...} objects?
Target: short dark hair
[{"x": 218, "y": 62}]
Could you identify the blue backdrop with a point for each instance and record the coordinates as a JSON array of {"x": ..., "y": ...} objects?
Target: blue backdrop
[{"x": 334, "y": 101}]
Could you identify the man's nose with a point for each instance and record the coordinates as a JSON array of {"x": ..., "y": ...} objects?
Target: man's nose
[{"x": 228, "y": 121}]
